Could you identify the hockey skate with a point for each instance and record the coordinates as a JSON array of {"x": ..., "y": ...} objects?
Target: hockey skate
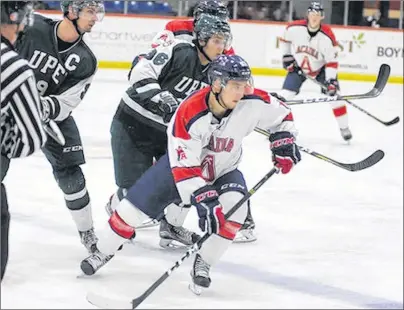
[
  {"x": 246, "y": 232},
  {"x": 346, "y": 134},
  {"x": 95, "y": 261},
  {"x": 89, "y": 240},
  {"x": 110, "y": 209},
  {"x": 200, "y": 275},
  {"x": 170, "y": 233}
]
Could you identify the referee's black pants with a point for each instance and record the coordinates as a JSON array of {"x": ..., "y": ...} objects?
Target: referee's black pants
[{"x": 5, "y": 216}]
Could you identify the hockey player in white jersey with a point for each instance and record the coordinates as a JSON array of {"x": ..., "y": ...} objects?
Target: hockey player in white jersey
[
  {"x": 205, "y": 139},
  {"x": 310, "y": 48},
  {"x": 183, "y": 29}
]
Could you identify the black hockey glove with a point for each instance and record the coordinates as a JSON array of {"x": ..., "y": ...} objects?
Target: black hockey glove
[
  {"x": 290, "y": 64},
  {"x": 285, "y": 153},
  {"x": 210, "y": 211},
  {"x": 332, "y": 87},
  {"x": 277, "y": 96},
  {"x": 167, "y": 105}
]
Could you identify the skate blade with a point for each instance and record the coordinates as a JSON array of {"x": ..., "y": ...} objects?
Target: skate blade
[
  {"x": 148, "y": 224},
  {"x": 196, "y": 289},
  {"x": 172, "y": 244},
  {"x": 245, "y": 237}
]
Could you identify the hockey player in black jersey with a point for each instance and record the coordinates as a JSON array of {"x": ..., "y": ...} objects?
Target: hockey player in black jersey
[
  {"x": 64, "y": 67},
  {"x": 160, "y": 81},
  {"x": 21, "y": 128}
]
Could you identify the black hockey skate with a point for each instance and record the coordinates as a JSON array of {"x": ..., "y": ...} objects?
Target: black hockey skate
[
  {"x": 170, "y": 233},
  {"x": 200, "y": 275},
  {"x": 89, "y": 240},
  {"x": 95, "y": 261},
  {"x": 346, "y": 134},
  {"x": 246, "y": 232}
]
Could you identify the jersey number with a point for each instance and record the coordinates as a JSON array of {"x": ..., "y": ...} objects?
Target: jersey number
[
  {"x": 208, "y": 168},
  {"x": 159, "y": 59},
  {"x": 42, "y": 86}
]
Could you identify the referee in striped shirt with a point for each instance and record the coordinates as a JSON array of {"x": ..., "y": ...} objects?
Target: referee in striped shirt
[{"x": 22, "y": 131}]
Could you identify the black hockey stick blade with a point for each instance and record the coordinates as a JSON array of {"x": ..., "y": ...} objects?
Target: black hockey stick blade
[
  {"x": 381, "y": 81},
  {"x": 370, "y": 161},
  {"x": 392, "y": 122}
]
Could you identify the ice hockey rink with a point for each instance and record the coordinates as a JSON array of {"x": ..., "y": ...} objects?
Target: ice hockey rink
[{"x": 327, "y": 238}]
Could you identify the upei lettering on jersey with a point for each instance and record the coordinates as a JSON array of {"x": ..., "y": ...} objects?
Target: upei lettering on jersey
[
  {"x": 51, "y": 67},
  {"x": 187, "y": 86}
]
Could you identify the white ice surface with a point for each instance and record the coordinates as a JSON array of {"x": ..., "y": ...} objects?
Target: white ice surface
[{"x": 327, "y": 238}]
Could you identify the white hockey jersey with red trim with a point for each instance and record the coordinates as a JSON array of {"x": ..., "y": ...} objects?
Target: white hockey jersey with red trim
[
  {"x": 311, "y": 53},
  {"x": 182, "y": 29},
  {"x": 202, "y": 148}
]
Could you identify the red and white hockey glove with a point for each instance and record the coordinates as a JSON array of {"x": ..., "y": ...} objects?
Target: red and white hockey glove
[
  {"x": 285, "y": 152},
  {"x": 332, "y": 87},
  {"x": 210, "y": 211}
]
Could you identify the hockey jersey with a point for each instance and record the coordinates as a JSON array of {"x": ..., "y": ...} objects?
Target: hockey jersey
[
  {"x": 184, "y": 29},
  {"x": 311, "y": 53},
  {"x": 202, "y": 148},
  {"x": 173, "y": 67},
  {"x": 62, "y": 76}
]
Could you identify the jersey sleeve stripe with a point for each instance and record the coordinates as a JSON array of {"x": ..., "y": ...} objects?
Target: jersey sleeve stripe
[
  {"x": 12, "y": 84},
  {"x": 185, "y": 173},
  {"x": 189, "y": 112}
]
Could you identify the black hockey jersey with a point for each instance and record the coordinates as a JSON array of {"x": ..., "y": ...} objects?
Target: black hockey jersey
[
  {"x": 62, "y": 76},
  {"x": 175, "y": 68}
]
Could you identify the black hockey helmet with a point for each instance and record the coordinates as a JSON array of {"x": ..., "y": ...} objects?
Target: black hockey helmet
[
  {"x": 316, "y": 6},
  {"x": 78, "y": 5},
  {"x": 208, "y": 25},
  {"x": 229, "y": 67},
  {"x": 211, "y": 7},
  {"x": 17, "y": 12}
]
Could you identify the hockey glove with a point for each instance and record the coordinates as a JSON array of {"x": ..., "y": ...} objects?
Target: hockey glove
[
  {"x": 167, "y": 105},
  {"x": 285, "y": 153},
  {"x": 277, "y": 96},
  {"x": 290, "y": 64},
  {"x": 210, "y": 211},
  {"x": 332, "y": 87}
]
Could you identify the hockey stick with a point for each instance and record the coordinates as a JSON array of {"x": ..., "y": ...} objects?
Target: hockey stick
[
  {"x": 106, "y": 303},
  {"x": 382, "y": 78},
  {"x": 389, "y": 123},
  {"x": 53, "y": 130},
  {"x": 370, "y": 161}
]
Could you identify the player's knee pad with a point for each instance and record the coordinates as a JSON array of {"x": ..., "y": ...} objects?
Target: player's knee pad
[
  {"x": 130, "y": 213},
  {"x": 73, "y": 184},
  {"x": 176, "y": 214},
  {"x": 228, "y": 200}
]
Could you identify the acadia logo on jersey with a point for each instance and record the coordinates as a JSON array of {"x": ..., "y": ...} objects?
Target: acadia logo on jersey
[
  {"x": 52, "y": 68},
  {"x": 218, "y": 145},
  {"x": 307, "y": 50},
  {"x": 188, "y": 85}
]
